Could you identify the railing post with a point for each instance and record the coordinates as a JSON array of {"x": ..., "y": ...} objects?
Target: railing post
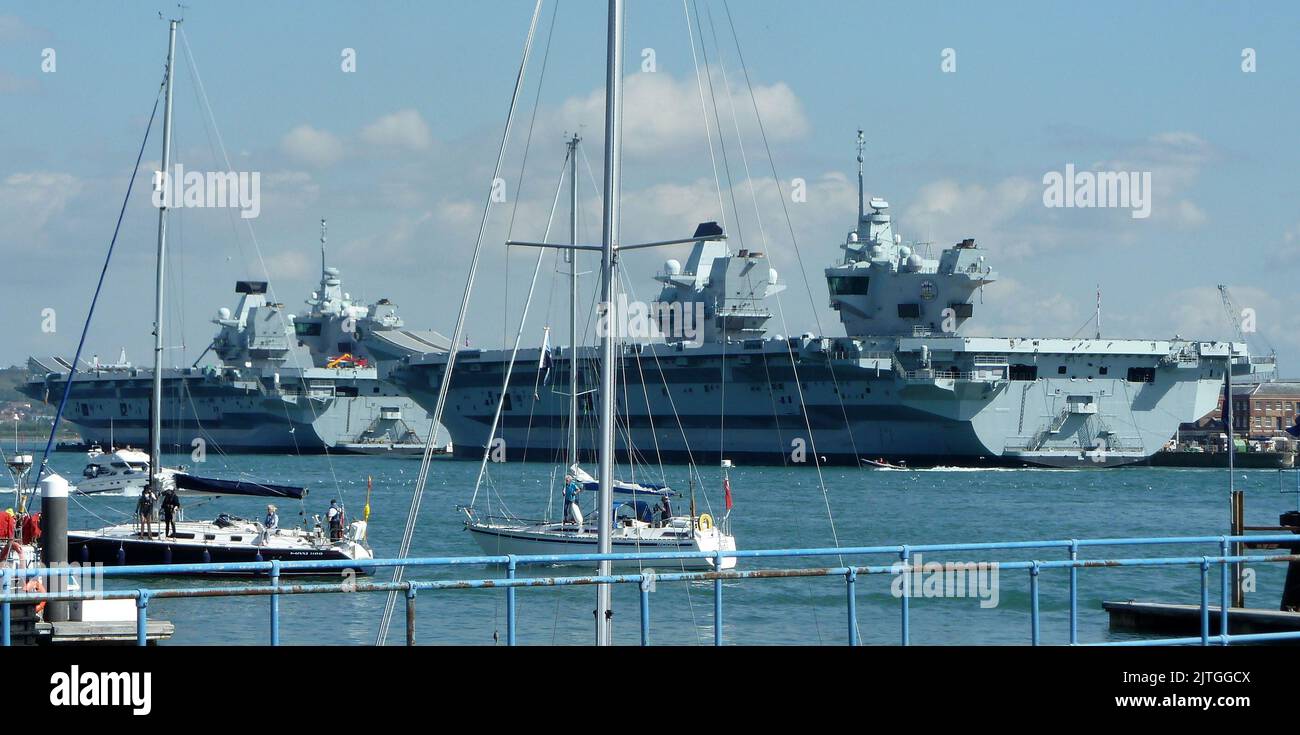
[
  {"x": 645, "y": 609},
  {"x": 906, "y": 556},
  {"x": 1225, "y": 582},
  {"x": 851, "y": 583},
  {"x": 142, "y": 617},
  {"x": 6, "y": 577},
  {"x": 717, "y": 600},
  {"x": 511, "y": 568},
  {"x": 275, "y": 602},
  {"x": 1205, "y": 601},
  {"x": 1074, "y": 593},
  {"x": 410, "y": 614},
  {"x": 1034, "y": 623}
]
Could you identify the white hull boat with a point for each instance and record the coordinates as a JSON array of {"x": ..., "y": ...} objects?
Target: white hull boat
[{"x": 505, "y": 537}]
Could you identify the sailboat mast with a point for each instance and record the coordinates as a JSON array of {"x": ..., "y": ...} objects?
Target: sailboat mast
[
  {"x": 155, "y": 402},
  {"x": 573, "y": 300},
  {"x": 609, "y": 240}
]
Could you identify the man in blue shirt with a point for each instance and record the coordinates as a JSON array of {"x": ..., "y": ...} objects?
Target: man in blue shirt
[{"x": 571, "y": 510}]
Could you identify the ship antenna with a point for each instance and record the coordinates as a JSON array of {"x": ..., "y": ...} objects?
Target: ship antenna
[
  {"x": 1098, "y": 311},
  {"x": 322, "y": 246},
  {"x": 862, "y": 142}
]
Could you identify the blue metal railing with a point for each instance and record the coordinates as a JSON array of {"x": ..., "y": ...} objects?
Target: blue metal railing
[{"x": 10, "y": 595}]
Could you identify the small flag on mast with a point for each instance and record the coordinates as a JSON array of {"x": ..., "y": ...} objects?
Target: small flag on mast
[
  {"x": 726, "y": 491},
  {"x": 544, "y": 360}
]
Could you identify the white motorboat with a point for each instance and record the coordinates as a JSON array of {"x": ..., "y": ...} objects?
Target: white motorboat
[{"x": 117, "y": 472}]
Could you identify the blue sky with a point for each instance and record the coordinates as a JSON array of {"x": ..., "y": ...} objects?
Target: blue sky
[{"x": 398, "y": 155}]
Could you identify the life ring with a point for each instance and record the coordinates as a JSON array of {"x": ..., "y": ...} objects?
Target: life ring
[
  {"x": 705, "y": 522},
  {"x": 36, "y": 585}
]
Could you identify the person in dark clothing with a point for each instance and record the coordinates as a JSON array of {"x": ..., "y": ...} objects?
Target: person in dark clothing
[
  {"x": 665, "y": 511},
  {"x": 144, "y": 509},
  {"x": 170, "y": 504},
  {"x": 334, "y": 514}
]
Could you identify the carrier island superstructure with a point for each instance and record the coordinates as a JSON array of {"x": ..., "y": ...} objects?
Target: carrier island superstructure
[
  {"x": 905, "y": 384},
  {"x": 280, "y": 383}
]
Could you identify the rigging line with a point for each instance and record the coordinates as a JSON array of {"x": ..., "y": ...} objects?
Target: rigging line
[
  {"x": 812, "y": 441},
  {"x": 457, "y": 335},
  {"x": 762, "y": 129},
  {"x": 225, "y": 155},
  {"x": 722, "y": 143},
  {"x": 519, "y": 334},
  {"x": 94, "y": 300},
  {"x": 735, "y": 120},
  {"x": 654, "y": 435},
  {"x": 704, "y": 112}
]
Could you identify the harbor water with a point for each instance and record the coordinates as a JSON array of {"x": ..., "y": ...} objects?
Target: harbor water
[{"x": 775, "y": 507}]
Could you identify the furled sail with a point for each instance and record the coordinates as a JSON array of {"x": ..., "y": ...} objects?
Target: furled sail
[{"x": 210, "y": 486}]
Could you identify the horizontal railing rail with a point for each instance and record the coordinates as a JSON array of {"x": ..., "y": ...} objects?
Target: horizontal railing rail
[{"x": 11, "y": 595}]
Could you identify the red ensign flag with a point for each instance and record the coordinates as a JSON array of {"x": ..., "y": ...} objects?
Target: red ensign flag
[{"x": 726, "y": 490}]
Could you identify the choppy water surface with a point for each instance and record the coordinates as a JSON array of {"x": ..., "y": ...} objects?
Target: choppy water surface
[{"x": 775, "y": 508}]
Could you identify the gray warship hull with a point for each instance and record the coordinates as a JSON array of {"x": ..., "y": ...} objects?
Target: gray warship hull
[
  {"x": 1002, "y": 402},
  {"x": 309, "y": 411}
]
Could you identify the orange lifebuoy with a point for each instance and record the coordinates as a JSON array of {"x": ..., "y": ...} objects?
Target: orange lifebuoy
[{"x": 36, "y": 585}]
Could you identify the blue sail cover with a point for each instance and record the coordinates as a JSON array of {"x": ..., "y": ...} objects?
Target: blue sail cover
[
  {"x": 630, "y": 488},
  {"x": 212, "y": 486}
]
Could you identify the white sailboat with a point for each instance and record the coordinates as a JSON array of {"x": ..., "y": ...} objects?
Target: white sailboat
[
  {"x": 625, "y": 525},
  {"x": 128, "y": 471}
]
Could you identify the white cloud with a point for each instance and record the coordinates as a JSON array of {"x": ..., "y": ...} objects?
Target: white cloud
[
  {"x": 662, "y": 114},
  {"x": 290, "y": 265},
  {"x": 30, "y": 200},
  {"x": 311, "y": 146},
  {"x": 405, "y": 130}
]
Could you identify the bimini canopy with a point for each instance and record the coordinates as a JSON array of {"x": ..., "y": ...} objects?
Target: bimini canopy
[
  {"x": 209, "y": 486},
  {"x": 590, "y": 484}
]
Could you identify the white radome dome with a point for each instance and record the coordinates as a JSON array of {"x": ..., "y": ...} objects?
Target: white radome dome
[
  {"x": 905, "y": 252},
  {"x": 223, "y": 313},
  {"x": 673, "y": 267},
  {"x": 914, "y": 262}
]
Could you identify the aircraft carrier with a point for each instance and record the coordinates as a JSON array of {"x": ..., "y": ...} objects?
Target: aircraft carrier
[
  {"x": 905, "y": 384},
  {"x": 281, "y": 383}
]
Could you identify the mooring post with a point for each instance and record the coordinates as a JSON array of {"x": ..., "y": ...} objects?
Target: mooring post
[
  {"x": 275, "y": 602},
  {"x": 410, "y": 614},
  {"x": 142, "y": 617},
  {"x": 905, "y": 555},
  {"x": 511, "y": 567},
  {"x": 54, "y": 540},
  {"x": 1238, "y": 529},
  {"x": 1035, "y": 627},
  {"x": 1074, "y": 593},
  {"x": 850, "y": 583},
  {"x": 1205, "y": 601}
]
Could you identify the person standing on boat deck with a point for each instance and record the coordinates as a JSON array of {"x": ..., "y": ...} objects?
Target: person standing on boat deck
[
  {"x": 144, "y": 509},
  {"x": 571, "y": 510},
  {"x": 170, "y": 504},
  {"x": 270, "y": 524},
  {"x": 334, "y": 516},
  {"x": 665, "y": 511}
]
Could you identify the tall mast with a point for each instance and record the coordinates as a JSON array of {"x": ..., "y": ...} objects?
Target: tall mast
[
  {"x": 155, "y": 403},
  {"x": 609, "y": 241},
  {"x": 322, "y": 245},
  {"x": 573, "y": 299},
  {"x": 862, "y": 142}
]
